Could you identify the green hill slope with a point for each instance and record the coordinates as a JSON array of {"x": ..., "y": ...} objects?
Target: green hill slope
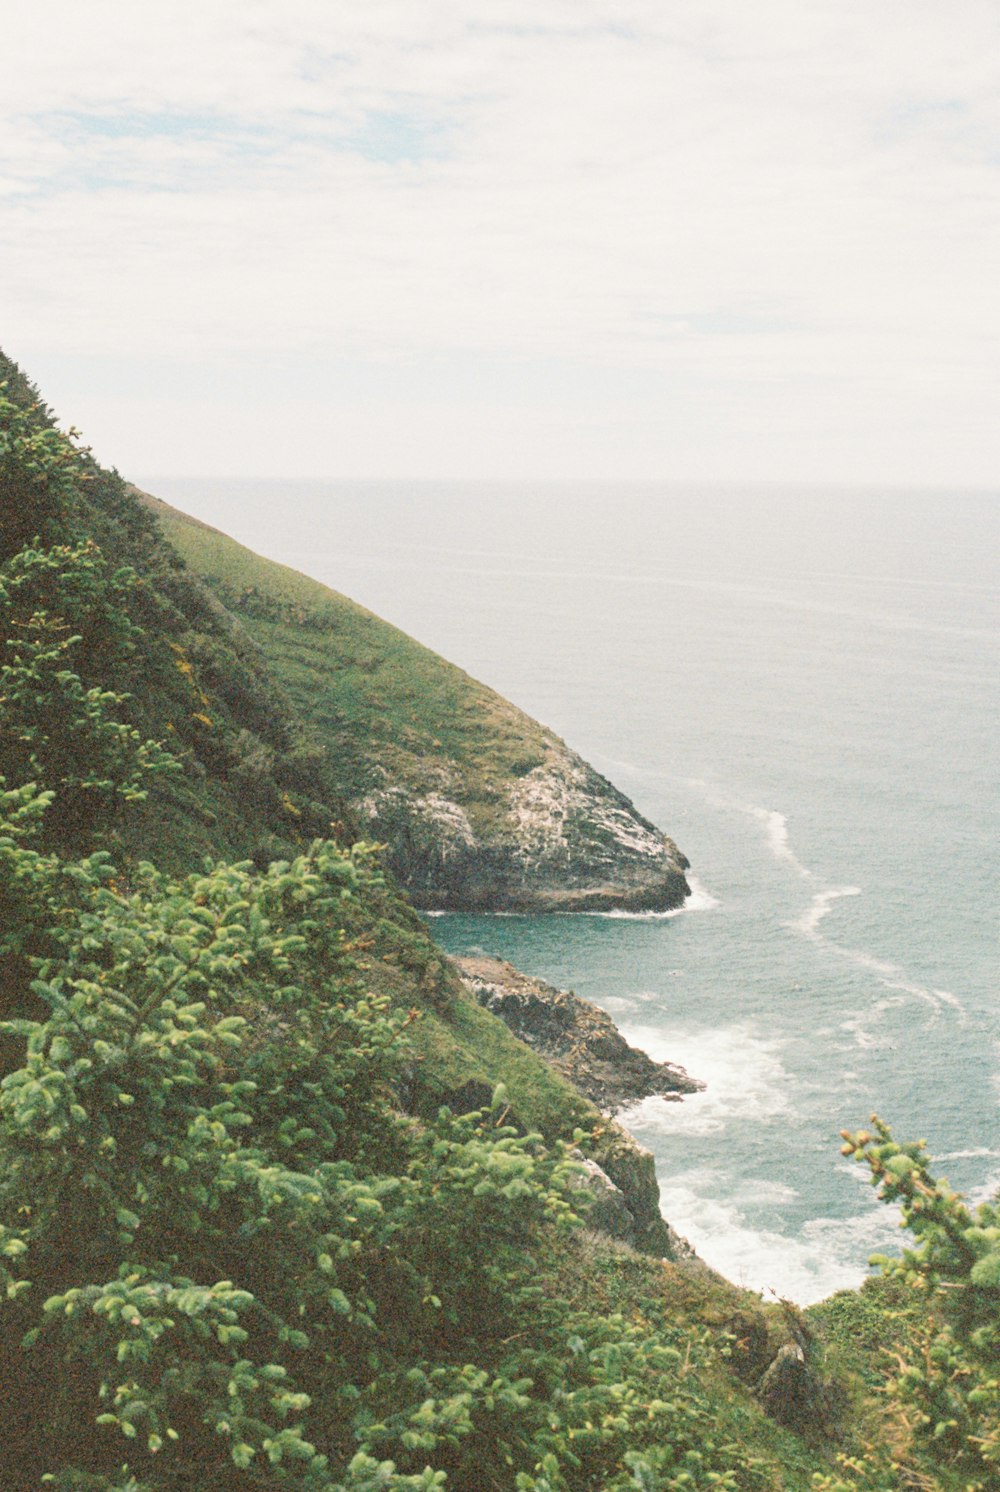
[
  {"x": 248, "y": 1243},
  {"x": 480, "y": 806},
  {"x": 249, "y": 780}
]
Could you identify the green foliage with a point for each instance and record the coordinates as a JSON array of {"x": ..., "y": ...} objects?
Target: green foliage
[
  {"x": 225, "y": 1256},
  {"x": 943, "y": 1390},
  {"x": 58, "y": 730},
  {"x": 206, "y": 1086},
  {"x": 40, "y": 468}
]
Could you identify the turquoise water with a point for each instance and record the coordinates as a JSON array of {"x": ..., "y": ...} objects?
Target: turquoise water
[{"x": 800, "y": 687}]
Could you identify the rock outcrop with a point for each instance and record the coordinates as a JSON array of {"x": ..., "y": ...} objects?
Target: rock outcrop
[
  {"x": 631, "y": 1170},
  {"x": 578, "y": 1039},
  {"x": 583, "y": 1044},
  {"x": 559, "y": 838}
]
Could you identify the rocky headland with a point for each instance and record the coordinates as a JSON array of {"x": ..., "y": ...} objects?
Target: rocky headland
[
  {"x": 560, "y": 838},
  {"x": 479, "y": 807},
  {"x": 577, "y": 1038}
]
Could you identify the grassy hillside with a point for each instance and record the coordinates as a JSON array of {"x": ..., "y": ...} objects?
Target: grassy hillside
[
  {"x": 477, "y": 802},
  {"x": 377, "y": 696}
]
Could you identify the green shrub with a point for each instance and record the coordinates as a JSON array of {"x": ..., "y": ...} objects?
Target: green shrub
[{"x": 943, "y": 1386}]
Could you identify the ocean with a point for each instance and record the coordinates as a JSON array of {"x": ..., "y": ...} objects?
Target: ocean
[{"x": 802, "y": 688}]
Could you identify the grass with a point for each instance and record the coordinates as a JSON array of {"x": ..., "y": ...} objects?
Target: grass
[{"x": 376, "y": 696}]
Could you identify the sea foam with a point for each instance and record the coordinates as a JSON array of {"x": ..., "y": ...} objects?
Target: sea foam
[
  {"x": 776, "y": 826},
  {"x": 890, "y": 975},
  {"x": 741, "y": 1068},
  {"x": 700, "y": 900},
  {"x": 828, "y": 1254}
]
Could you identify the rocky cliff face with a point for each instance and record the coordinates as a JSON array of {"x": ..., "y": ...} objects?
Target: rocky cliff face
[
  {"x": 582, "y": 1043},
  {"x": 578, "y": 1039},
  {"x": 559, "y": 838}
]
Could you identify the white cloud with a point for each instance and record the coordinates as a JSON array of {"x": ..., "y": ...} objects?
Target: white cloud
[{"x": 776, "y": 225}]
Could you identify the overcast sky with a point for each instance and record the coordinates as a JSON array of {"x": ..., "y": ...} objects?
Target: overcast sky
[{"x": 668, "y": 239}]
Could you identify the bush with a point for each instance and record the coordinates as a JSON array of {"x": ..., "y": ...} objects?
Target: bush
[
  {"x": 944, "y": 1392},
  {"x": 58, "y": 729}
]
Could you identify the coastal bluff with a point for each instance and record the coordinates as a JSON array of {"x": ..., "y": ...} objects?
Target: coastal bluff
[{"x": 478, "y": 806}]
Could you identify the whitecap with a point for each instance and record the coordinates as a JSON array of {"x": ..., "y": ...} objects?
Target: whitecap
[
  {"x": 820, "y": 907},
  {"x": 828, "y": 1254},
  {"x": 776, "y": 825},
  {"x": 701, "y": 899},
  {"x": 986, "y": 1191},
  {"x": 889, "y": 975},
  {"x": 742, "y": 1071},
  {"x": 858, "y": 1025}
]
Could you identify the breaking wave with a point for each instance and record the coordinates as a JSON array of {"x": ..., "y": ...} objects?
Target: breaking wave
[
  {"x": 827, "y": 1255},
  {"x": 700, "y": 900},
  {"x": 742, "y": 1070}
]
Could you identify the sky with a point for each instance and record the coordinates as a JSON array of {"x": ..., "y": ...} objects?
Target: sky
[{"x": 517, "y": 239}]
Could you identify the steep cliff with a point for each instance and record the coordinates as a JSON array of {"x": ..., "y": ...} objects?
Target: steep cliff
[{"x": 480, "y": 807}]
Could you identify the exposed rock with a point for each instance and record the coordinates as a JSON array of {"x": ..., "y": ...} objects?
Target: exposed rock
[
  {"x": 559, "y": 838},
  {"x": 633, "y": 1170},
  {"x": 791, "y": 1392},
  {"x": 609, "y": 1212},
  {"x": 579, "y": 1039}
]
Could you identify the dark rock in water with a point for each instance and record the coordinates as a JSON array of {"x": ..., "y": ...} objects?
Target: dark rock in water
[{"x": 577, "y": 1038}]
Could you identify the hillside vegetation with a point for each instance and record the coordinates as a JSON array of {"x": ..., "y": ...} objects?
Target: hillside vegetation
[
  {"x": 479, "y": 805},
  {"x": 247, "y": 1239}
]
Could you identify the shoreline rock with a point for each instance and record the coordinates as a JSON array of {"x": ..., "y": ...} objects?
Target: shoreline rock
[
  {"x": 582, "y": 1043},
  {"x": 559, "y": 838},
  {"x": 577, "y": 1038}
]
